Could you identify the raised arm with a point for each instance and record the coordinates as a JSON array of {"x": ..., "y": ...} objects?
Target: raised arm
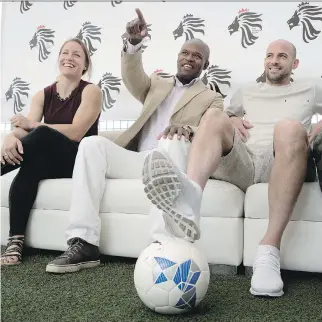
[{"x": 133, "y": 75}]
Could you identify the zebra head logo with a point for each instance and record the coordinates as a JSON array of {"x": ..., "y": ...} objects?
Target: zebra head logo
[
  {"x": 262, "y": 78},
  {"x": 144, "y": 41},
  {"x": 188, "y": 26},
  {"x": 114, "y": 3},
  {"x": 107, "y": 84},
  {"x": 43, "y": 39},
  {"x": 249, "y": 23},
  {"x": 69, "y": 4},
  {"x": 215, "y": 76},
  {"x": 88, "y": 33},
  {"x": 16, "y": 91},
  {"x": 25, "y": 6},
  {"x": 306, "y": 14},
  {"x": 162, "y": 74}
]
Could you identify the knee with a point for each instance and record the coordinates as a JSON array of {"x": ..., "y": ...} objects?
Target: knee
[
  {"x": 174, "y": 144},
  {"x": 44, "y": 131},
  {"x": 290, "y": 134},
  {"x": 92, "y": 143},
  {"x": 290, "y": 130},
  {"x": 215, "y": 120}
]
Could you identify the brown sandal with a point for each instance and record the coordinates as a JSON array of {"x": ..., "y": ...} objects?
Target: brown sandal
[{"x": 13, "y": 252}]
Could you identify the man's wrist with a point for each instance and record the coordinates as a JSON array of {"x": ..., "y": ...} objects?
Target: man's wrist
[
  {"x": 134, "y": 41},
  {"x": 190, "y": 131}
]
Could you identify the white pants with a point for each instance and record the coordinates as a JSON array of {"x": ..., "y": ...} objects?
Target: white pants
[{"x": 99, "y": 158}]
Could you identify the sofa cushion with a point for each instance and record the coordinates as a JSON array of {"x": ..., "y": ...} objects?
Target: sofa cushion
[
  {"x": 220, "y": 199},
  {"x": 308, "y": 206}
]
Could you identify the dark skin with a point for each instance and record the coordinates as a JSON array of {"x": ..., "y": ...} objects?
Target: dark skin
[{"x": 192, "y": 60}]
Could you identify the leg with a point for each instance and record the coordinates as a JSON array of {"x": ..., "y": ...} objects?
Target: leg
[
  {"x": 55, "y": 161},
  {"x": 285, "y": 184},
  {"x": 97, "y": 159},
  {"x": 179, "y": 195},
  {"x": 178, "y": 151}
]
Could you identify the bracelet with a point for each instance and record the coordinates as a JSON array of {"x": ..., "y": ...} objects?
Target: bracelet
[{"x": 190, "y": 131}]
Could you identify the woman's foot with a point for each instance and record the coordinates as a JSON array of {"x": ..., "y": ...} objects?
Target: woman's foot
[{"x": 13, "y": 252}]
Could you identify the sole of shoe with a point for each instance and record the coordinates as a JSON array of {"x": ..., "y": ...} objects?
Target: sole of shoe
[
  {"x": 266, "y": 294},
  {"x": 162, "y": 187},
  {"x": 61, "y": 269},
  {"x": 10, "y": 264}
]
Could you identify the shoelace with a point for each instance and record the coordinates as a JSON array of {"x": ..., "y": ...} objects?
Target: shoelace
[
  {"x": 72, "y": 249},
  {"x": 270, "y": 261}
]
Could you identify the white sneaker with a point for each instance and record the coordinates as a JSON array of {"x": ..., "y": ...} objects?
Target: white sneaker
[
  {"x": 171, "y": 191},
  {"x": 266, "y": 279}
]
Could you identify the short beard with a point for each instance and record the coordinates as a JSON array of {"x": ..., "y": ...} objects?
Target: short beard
[{"x": 278, "y": 79}]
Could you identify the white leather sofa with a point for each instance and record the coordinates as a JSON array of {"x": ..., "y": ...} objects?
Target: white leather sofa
[
  {"x": 124, "y": 214},
  {"x": 232, "y": 223},
  {"x": 301, "y": 247}
]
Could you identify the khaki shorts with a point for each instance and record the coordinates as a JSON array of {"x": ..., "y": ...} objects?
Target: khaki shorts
[{"x": 243, "y": 169}]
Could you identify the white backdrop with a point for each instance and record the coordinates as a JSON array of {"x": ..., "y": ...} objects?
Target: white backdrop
[{"x": 29, "y": 59}]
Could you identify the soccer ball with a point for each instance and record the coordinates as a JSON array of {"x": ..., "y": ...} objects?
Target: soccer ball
[{"x": 171, "y": 276}]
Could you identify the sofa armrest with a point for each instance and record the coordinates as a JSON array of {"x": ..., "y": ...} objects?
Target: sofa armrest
[{"x": 111, "y": 135}]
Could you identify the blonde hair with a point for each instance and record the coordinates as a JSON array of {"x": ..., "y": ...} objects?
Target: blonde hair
[{"x": 88, "y": 61}]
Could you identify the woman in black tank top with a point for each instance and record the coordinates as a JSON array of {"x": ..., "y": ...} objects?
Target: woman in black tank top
[{"x": 70, "y": 109}]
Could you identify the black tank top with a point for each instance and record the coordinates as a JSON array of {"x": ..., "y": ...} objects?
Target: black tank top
[{"x": 57, "y": 111}]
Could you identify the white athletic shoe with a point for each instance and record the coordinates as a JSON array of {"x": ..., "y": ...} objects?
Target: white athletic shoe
[
  {"x": 266, "y": 279},
  {"x": 171, "y": 191}
]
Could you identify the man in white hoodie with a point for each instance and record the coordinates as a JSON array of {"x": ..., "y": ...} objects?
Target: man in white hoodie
[{"x": 263, "y": 136}]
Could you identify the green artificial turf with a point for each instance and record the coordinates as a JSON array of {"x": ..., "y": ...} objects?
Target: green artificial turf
[{"x": 107, "y": 293}]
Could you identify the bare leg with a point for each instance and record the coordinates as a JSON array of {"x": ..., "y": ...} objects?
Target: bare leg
[
  {"x": 177, "y": 195},
  {"x": 287, "y": 177},
  {"x": 213, "y": 140}
]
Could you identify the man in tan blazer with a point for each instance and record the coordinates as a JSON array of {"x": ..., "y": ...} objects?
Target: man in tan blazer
[{"x": 172, "y": 110}]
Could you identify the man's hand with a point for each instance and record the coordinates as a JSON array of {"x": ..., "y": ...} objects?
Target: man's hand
[
  {"x": 136, "y": 29},
  {"x": 317, "y": 128},
  {"x": 242, "y": 127},
  {"x": 22, "y": 122},
  {"x": 170, "y": 131},
  {"x": 10, "y": 148}
]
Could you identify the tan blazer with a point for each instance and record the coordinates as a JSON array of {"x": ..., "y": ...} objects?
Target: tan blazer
[{"x": 151, "y": 91}]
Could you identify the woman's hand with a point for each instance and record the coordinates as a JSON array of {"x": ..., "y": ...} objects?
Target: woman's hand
[
  {"x": 10, "y": 150},
  {"x": 22, "y": 122}
]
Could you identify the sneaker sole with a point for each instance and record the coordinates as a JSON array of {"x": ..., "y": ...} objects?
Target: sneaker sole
[
  {"x": 72, "y": 268},
  {"x": 278, "y": 294},
  {"x": 162, "y": 187}
]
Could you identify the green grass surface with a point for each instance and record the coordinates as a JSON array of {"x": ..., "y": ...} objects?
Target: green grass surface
[{"x": 107, "y": 293}]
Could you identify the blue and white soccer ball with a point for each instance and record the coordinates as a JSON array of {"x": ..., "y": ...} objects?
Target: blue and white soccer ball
[{"x": 171, "y": 276}]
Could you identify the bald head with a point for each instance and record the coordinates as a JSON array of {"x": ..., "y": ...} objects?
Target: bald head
[
  {"x": 280, "y": 61},
  {"x": 192, "y": 60},
  {"x": 284, "y": 45},
  {"x": 202, "y": 45}
]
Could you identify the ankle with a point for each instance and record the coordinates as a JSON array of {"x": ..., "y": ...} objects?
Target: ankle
[
  {"x": 200, "y": 183},
  {"x": 272, "y": 240},
  {"x": 16, "y": 236}
]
